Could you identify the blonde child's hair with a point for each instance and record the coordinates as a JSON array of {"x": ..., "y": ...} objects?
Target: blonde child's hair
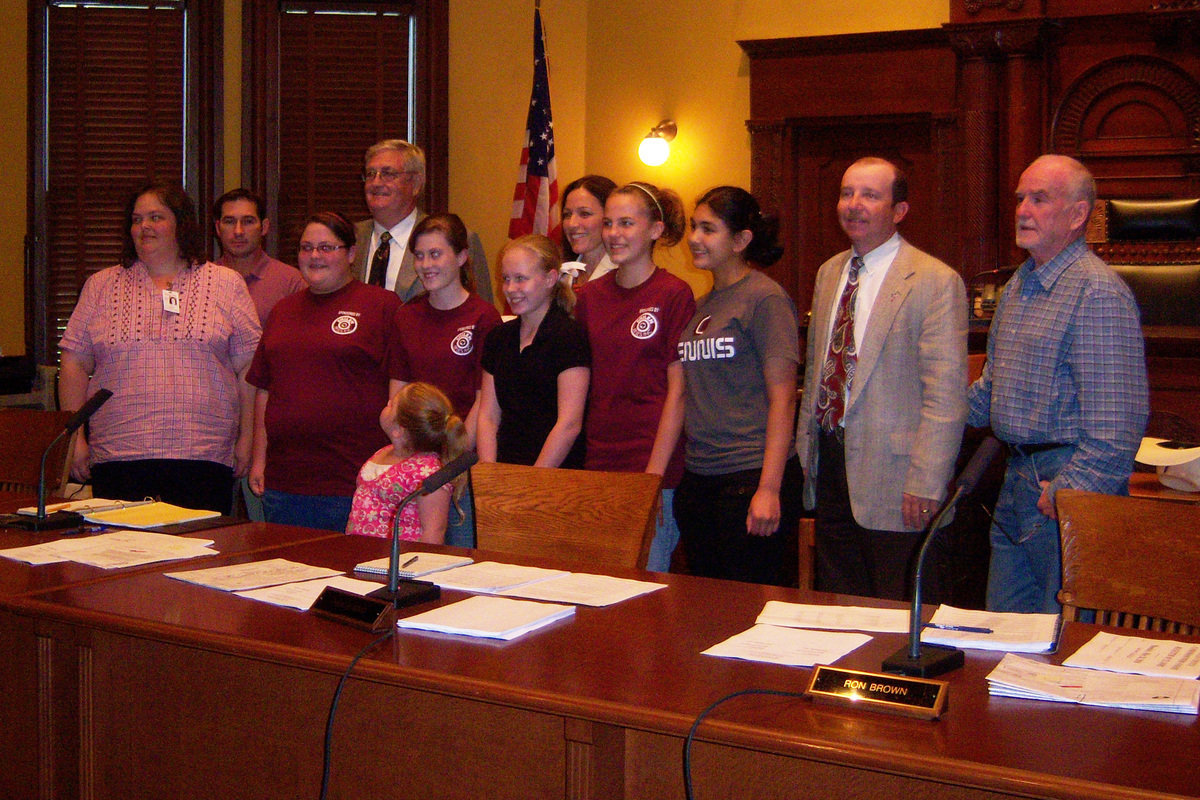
[
  {"x": 425, "y": 413},
  {"x": 549, "y": 258}
]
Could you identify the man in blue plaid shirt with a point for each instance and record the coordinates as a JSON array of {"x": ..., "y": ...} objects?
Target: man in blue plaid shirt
[{"x": 1064, "y": 385}]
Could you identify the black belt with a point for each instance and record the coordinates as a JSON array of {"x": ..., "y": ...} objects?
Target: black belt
[{"x": 1026, "y": 450}]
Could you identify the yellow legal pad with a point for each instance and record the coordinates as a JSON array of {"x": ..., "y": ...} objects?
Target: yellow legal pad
[{"x": 151, "y": 515}]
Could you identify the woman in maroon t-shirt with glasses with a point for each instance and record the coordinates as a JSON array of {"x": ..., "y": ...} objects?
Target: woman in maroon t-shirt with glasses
[{"x": 325, "y": 367}]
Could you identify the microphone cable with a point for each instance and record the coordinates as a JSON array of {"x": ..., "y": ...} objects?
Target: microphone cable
[
  {"x": 337, "y": 695},
  {"x": 687, "y": 743}
]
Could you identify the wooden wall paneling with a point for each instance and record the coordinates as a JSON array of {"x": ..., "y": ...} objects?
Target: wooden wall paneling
[
  {"x": 769, "y": 166},
  {"x": 818, "y": 104}
]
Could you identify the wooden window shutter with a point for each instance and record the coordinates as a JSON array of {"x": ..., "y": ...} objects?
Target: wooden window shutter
[
  {"x": 343, "y": 85},
  {"x": 114, "y": 119}
]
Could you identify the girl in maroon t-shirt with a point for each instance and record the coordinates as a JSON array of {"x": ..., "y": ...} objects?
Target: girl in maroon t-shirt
[{"x": 634, "y": 317}]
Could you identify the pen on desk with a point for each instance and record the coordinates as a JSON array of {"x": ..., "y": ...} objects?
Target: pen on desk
[
  {"x": 413, "y": 560},
  {"x": 961, "y": 628}
]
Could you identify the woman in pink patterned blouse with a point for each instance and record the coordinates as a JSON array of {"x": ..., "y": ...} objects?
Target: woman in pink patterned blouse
[
  {"x": 425, "y": 433},
  {"x": 171, "y": 336}
]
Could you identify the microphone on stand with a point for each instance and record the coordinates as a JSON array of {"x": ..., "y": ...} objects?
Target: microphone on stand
[
  {"x": 431, "y": 484},
  {"x": 59, "y": 519},
  {"x": 928, "y": 660}
]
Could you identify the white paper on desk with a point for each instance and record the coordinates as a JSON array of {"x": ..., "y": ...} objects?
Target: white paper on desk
[
  {"x": 38, "y": 554},
  {"x": 796, "y": 647},
  {"x": 114, "y": 549},
  {"x": 1017, "y": 676},
  {"x": 1138, "y": 655},
  {"x": 492, "y": 577},
  {"x": 488, "y": 617},
  {"x": 1011, "y": 632},
  {"x": 135, "y": 548},
  {"x": 255, "y": 575},
  {"x": 836, "y": 618},
  {"x": 584, "y": 589},
  {"x": 302, "y": 594}
]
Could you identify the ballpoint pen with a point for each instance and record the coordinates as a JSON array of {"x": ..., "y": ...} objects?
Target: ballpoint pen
[
  {"x": 961, "y": 628},
  {"x": 413, "y": 560}
]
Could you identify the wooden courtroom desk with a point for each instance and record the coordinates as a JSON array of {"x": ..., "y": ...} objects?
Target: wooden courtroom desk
[
  {"x": 187, "y": 692},
  {"x": 32, "y": 700}
]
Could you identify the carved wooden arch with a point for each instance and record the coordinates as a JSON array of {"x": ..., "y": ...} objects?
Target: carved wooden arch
[{"x": 1172, "y": 93}]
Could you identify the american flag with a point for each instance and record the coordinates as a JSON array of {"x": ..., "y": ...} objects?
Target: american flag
[{"x": 535, "y": 202}]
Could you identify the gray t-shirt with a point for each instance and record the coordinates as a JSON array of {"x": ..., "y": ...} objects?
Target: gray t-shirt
[{"x": 723, "y": 349}]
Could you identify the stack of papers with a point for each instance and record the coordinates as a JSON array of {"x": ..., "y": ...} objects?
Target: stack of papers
[
  {"x": 492, "y": 577},
  {"x": 302, "y": 594},
  {"x": 837, "y": 618},
  {"x": 254, "y": 575},
  {"x": 488, "y": 617},
  {"x": 1138, "y": 655},
  {"x": 584, "y": 589},
  {"x": 419, "y": 564},
  {"x": 992, "y": 630},
  {"x": 797, "y": 648},
  {"x": 113, "y": 550},
  {"x": 1017, "y": 676}
]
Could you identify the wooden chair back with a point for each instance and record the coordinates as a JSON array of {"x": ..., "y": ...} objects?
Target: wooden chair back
[
  {"x": 24, "y": 435},
  {"x": 1134, "y": 560},
  {"x": 594, "y": 519}
]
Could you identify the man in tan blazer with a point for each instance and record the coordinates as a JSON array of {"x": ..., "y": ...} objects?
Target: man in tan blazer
[
  {"x": 878, "y": 453},
  {"x": 393, "y": 176}
]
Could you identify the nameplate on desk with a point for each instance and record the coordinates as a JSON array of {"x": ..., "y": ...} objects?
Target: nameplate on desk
[
  {"x": 368, "y": 613},
  {"x": 891, "y": 694}
]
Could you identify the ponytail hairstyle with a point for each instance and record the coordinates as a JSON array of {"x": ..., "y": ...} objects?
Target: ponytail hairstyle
[
  {"x": 663, "y": 205},
  {"x": 425, "y": 413},
  {"x": 549, "y": 258},
  {"x": 738, "y": 209},
  {"x": 451, "y": 227}
]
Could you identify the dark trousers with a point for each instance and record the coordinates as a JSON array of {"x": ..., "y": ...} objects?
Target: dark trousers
[
  {"x": 851, "y": 559},
  {"x": 711, "y": 513},
  {"x": 191, "y": 484}
]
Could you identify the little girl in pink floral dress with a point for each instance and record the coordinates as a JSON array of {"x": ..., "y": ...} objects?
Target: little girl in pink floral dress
[{"x": 425, "y": 433}]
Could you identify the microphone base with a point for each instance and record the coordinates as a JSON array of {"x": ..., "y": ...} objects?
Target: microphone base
[
  {"x": 52, "y": 522},
  {"x": 934, "y": 659}
]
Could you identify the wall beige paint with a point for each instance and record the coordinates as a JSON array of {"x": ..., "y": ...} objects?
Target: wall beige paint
[
  {"x": 643, "y": 60},
  {"x": 616, "y": 68}
]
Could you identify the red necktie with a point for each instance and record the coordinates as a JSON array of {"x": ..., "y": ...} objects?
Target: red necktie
[{"x": 838, "y": 370}]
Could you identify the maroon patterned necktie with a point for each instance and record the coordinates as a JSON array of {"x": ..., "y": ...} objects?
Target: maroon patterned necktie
[{"x": 838, "y": 370}]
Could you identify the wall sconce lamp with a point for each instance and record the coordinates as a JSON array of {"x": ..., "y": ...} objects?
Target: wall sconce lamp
[{"x": 654, "y": 149}]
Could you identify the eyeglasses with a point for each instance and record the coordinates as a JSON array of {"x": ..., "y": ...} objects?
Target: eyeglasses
[
  {"x": 324, "y": 248},
  {"x": 387, "y": 174}
]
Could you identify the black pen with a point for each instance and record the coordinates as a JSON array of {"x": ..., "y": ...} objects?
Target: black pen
[
  {"x": 413, "y": 560},
  {"x": 961, "y": 628}
]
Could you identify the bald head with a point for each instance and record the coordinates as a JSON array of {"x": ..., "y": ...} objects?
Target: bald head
[{"x": 1054, "y": 200}]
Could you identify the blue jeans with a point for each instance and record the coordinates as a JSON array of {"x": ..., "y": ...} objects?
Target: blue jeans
[
  {"x": 326, "y": 512},
  {"x": 1025, "y": 573},
  {"x": 460, "y": 527},
  {"x": 254, "y": 503},
  {"x": 666, "y": 535}
]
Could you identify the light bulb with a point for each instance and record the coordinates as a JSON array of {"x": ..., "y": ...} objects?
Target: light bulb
[{"x": 653, "y": 151}]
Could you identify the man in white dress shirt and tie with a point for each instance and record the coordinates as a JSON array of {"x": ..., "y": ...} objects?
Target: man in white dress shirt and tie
[
  {"x": 393, "y": 177},
  {"x": 884, "y": 391}
]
